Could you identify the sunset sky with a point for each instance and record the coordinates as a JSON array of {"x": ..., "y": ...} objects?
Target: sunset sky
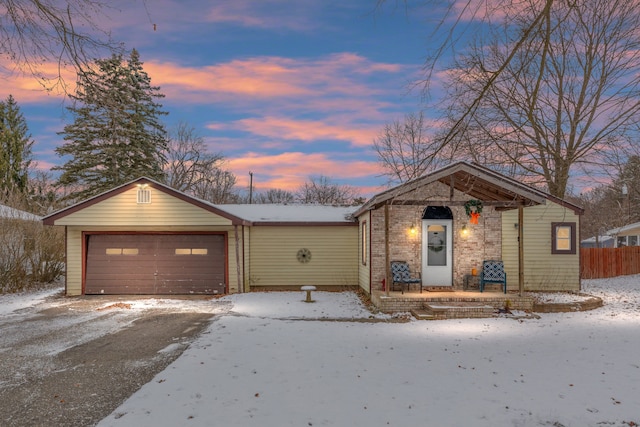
[{"x": 284, "y": 89}]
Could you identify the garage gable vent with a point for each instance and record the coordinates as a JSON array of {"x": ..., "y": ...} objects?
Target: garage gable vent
[{"x": 144, "y": 194}]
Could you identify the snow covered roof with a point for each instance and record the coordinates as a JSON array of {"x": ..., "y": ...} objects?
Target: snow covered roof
[
  {"x": 279, "y": 213},
  {"x": 627, "y": 230},
  {"x": 11, "y": 213},
  {"x": 604, "y": 238}
]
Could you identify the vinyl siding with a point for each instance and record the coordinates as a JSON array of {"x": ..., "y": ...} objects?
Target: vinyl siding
[
  {"x": 123, "y": 210},
  {"x": 74, "y": 250},
  {"x": 273, "y": 256},
  {"x": 74, "y": 261},
  {"x": 543, "y": 270}
]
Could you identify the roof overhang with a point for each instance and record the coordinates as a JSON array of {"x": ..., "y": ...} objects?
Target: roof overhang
[{"x": 480, "y": 183}]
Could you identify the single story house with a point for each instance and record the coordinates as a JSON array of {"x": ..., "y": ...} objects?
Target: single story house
[
  {"x": 146, "y": 238},
  {"x": 627, "y": 235}
]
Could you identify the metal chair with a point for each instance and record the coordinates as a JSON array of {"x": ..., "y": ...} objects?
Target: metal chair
[
  {"x": 493, "y": 272},
  {"x": 401, "y": 274}
]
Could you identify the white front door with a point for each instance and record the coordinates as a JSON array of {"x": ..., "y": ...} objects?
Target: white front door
[{"x": 437, "y": 252}]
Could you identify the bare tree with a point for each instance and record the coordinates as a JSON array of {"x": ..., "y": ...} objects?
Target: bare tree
[
  {"x": 406, "y": 149},
  {"x": 542, "y": 87},
  {"x": 188, "y": 160},
  {"x": 320, "y": 190},
  {"x": 192, "y": 169},
  {"x": 217, "y": 187},
  {"x": 275, "y": 195},
  {"x": 603, "y": 210},
  {"x": 34, "y": 33}
]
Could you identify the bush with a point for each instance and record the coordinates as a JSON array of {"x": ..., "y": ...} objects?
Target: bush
[{"x": 30, "y": 254}]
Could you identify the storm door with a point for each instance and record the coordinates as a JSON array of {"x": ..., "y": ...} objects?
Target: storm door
[{"x": 437, "y": 246}]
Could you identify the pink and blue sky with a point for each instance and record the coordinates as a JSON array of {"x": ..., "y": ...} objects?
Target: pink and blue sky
[{"x": 284, "y": 89}]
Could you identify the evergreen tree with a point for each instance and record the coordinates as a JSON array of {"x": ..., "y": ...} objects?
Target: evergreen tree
[
  {"x": 15, "y": 148},
  {"x": 117, "y": 134}
]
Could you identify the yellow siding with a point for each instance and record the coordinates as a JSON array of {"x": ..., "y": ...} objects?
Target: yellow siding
[
  {"x": 74, "y": 261},
  {"x": 123, "y": 210},
  {"x": 543, "y": 270},
  {"x": 74, "y": 251},
  {"x": 273, "y": 255}
]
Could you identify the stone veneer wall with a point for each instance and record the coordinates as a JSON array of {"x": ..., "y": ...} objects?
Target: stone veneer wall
[{"x": 484, "y": 240}]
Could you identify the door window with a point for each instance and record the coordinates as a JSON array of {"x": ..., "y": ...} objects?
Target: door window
[{"x": 437, "y": 245}]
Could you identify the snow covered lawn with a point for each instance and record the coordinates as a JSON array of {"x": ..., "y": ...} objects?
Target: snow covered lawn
[{"x": 277, "y": 361}]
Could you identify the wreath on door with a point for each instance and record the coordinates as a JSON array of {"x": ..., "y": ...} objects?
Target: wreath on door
[{"x": 436, "y": 244}]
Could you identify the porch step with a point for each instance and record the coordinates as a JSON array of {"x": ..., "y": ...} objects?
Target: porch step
[{"x": 453, "y": 310}]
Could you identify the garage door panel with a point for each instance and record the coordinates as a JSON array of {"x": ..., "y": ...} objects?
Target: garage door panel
[{"x": 155, "y": 264}]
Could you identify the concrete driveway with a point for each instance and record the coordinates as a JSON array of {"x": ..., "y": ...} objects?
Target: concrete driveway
[{"x": 72, "y": 361}]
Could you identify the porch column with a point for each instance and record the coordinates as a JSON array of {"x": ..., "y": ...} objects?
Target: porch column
[
  {"x": 520, "y": 249},
  {"x": 237, "y": 241}
]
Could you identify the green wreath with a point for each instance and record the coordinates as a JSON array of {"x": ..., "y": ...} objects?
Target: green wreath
[{"x": 473, "y": 206}]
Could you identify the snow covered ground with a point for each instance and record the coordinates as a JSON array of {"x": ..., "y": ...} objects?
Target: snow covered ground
[{"x": 277, "y": 361}]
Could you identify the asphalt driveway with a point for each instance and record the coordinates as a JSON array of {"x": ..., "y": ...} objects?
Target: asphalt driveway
[{"x": 72, "y": 361}]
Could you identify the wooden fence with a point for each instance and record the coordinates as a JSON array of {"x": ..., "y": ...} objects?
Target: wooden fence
[{"x": 598, "y": 263}]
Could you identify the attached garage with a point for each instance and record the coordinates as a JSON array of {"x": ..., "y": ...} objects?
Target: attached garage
[
  {"x": 155, "y": 264},
  {"x": 145, "y": 238}
]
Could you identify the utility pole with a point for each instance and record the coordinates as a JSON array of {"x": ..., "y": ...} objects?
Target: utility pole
[{"x": 250, "y": 187}]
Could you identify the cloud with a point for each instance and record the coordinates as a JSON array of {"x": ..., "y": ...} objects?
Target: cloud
[
  {"x": 268, "y": 77},
  {"x": 266, "y": 14},
  {"x": 288, "y": 171},
  {"x": 286, "y": 128},
  {"x": 26, "y": 88}
]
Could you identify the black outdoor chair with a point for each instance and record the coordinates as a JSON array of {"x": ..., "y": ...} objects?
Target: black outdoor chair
[
  {"x": 402, "y": 275},
  {"x": 493, "y": 272}
]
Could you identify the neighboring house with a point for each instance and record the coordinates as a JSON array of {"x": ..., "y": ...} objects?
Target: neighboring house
[
  {"x": 425, "y": 223},
  {"x": 146, "y": 238},
  {"x": 628, "y": 235},
  {"x": 604, "y": 241}
]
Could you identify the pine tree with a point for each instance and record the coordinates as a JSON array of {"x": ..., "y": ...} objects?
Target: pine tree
[
  {"x": 117, "y": 134},
  {"x": 15, "y": 148}
]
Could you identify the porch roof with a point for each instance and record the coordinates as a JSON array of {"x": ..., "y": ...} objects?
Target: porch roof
[{"x": 478, "y": 182}]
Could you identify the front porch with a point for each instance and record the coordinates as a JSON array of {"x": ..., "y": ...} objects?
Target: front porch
[{"x": 450, "y": 304}]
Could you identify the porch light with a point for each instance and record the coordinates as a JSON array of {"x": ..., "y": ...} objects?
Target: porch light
[
  {"x": 464, "y": 231},
  {"x": 412, "y": 230}
]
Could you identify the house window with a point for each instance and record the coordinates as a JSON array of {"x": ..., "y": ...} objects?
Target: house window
[
  {"x": 563, "y": 237},
  {"x": 633, "y": 240},
  {"x": 364, "y": 243},
  {"x": 621, "y": 241}
]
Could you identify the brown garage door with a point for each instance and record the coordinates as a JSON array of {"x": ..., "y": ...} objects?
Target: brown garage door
[{"x": 155, "y": 264}]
